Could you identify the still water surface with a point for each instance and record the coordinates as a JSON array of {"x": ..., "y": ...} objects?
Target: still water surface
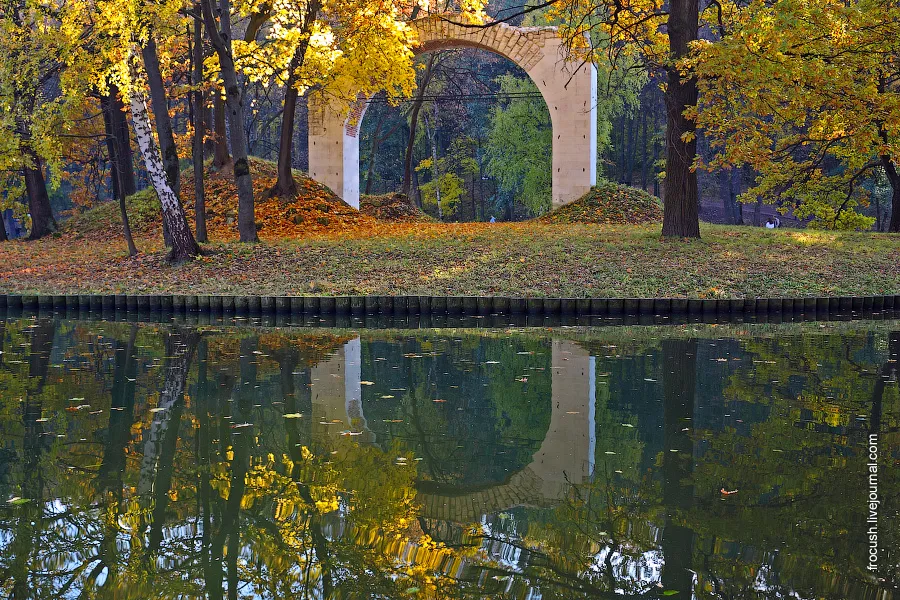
[{"x": 164, "y": 461}]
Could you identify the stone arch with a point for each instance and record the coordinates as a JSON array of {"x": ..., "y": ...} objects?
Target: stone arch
[{"x": 569, "y": 89}]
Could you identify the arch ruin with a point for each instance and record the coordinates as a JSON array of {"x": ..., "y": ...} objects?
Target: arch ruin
[{"x": 569, "y": 89}]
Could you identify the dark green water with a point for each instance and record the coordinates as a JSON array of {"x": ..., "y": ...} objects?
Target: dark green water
[{"x": 163, "y": 461}]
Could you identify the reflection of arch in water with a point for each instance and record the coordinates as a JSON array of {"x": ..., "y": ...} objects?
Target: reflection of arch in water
[
  {"x": 566, "y": 455},
  {"x": 569, "y": 88},
  {"x": 336, "y": 385}
]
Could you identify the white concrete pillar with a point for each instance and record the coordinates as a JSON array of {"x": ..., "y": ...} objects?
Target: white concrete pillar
[
  {"x": 572, "y": 101},
  {"x": 334, "y": 146}
]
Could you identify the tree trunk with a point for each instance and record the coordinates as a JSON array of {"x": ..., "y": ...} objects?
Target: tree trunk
[
  {"x": 373, "y": 151},
  {"x": 3, "y": 236},
  {"x": 680, "y": 210},
  {"x": 122, "y": 137},
  {"x": 42, "y": 221},
  {"x": 894, "y": 225},
  {"x": 165, "y": 133},
  {"x": 726, "y": 188},
  {"x": 629, "y": 158},
  {"x": 285, "y": 187},
  {"x": 431, "y": 132},
  {"x": 221, "y": 158},
  {"x": 644, "y": 149},
  {"x": 199, "y": 131},
  {"x": 655, "y": 143},
  {"x": 894, "y": 178},
  {"x": 472, "y": 191},
  {"x": 418, "y": 190},
  {"x": 184, "y": 246},
  {"x": 111, "y": 150},
  {"x": 413, "y": 120},
  {"x": 209, "y": 141},
  {"x": 622, "y": 144},
  {"x": 234, "y": 102},
  {"x": 109, "y": 105},
  {"x": 735, "y": 190}
]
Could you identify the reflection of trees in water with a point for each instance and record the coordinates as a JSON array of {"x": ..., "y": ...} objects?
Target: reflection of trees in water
[{"x": 234, "y": 510}]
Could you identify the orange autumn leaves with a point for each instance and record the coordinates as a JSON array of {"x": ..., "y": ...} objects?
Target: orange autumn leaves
[{"x": 314, "y": 210}]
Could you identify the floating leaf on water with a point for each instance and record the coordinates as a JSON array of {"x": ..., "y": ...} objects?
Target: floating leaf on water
[
  {"x": 492, "y": 362},
  {"x": 241, "y": 425},
  {"x": 386, "y": 396},
  {"x": 609, "y": 452},
  {"x": 627, "y": 425},
  {"x": 366, "y": 383},
  {"x": 16, "y": 501},
  {"x": 157, "y": 409},
  {"x": 293, "y": 416},
  {"x": 670, "y": 592}
]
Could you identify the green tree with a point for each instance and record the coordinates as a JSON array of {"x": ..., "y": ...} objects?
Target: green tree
[{"x": 519, "y": 142}]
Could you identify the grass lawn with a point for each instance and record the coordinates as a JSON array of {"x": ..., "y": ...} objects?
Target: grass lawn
[{"x": 522, "y": 259}]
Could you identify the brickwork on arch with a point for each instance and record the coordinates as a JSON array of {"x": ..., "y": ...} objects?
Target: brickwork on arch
[{"x": 569, "y": 88}]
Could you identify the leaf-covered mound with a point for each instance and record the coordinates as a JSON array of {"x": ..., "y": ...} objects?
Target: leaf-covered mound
[
  {"x": 393, "y": 207},
  {"x": 314, "y": 210},
  {"x": 104, "y": 219},
  {"x": 609, "y": 203}
]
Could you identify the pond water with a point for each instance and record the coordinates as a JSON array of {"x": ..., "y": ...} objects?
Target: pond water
[{"x": 176, "y": 461}]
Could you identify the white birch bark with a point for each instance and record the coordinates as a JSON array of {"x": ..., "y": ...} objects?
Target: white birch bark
[{"x": 183, "y": 243}]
